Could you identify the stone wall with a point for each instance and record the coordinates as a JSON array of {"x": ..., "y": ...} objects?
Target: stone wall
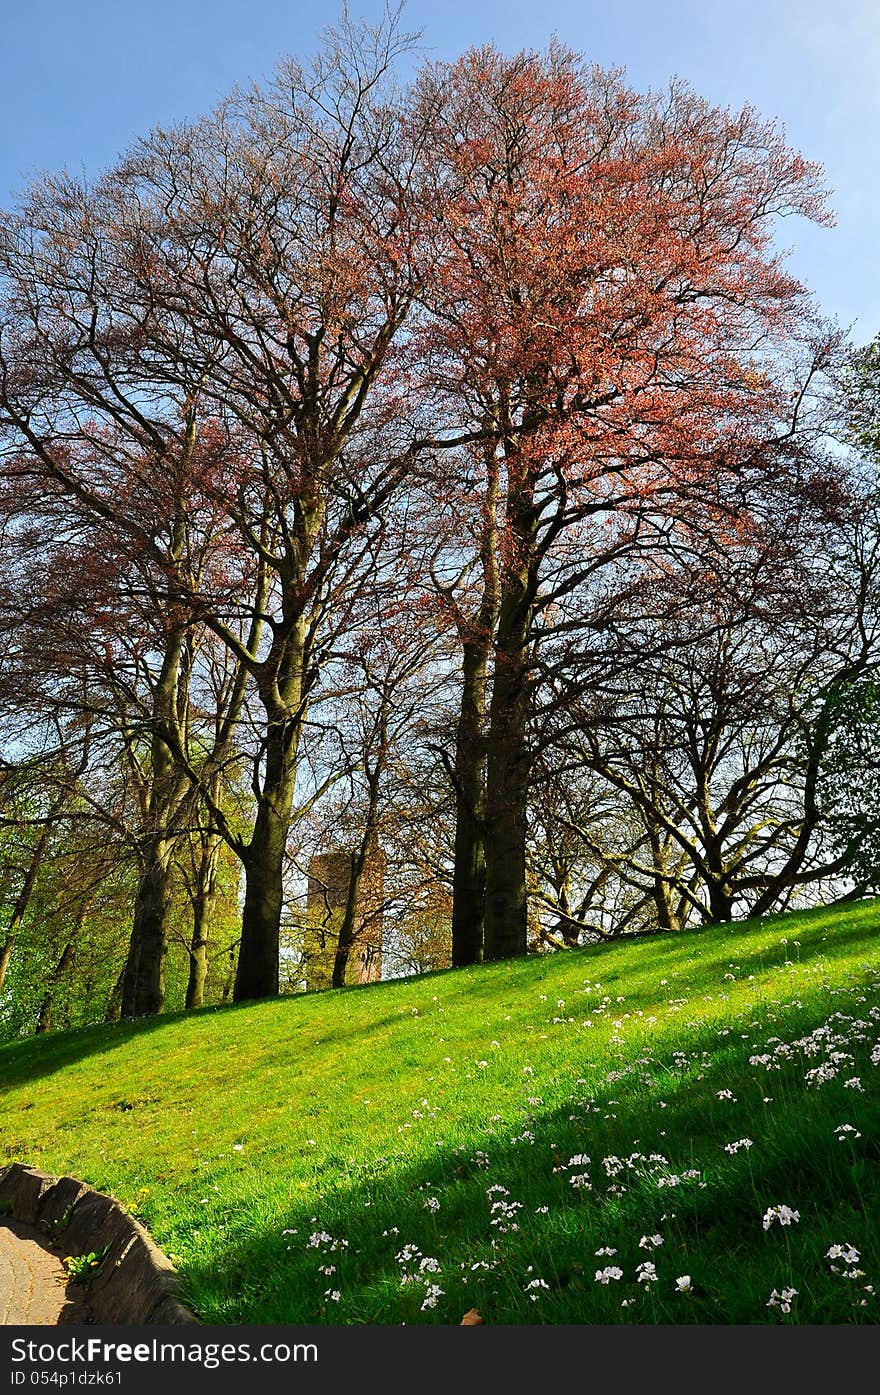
[{"x": 135, "y": 1283}]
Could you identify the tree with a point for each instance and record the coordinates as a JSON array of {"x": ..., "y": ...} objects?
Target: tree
[
  {"x": 605, "y": 307},
  {"x": 272, "y": 242}
]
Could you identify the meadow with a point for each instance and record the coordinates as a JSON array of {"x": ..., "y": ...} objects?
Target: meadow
[{"x": 676, "y": 1129}]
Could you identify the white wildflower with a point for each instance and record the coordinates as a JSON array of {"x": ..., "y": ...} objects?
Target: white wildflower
[
  {"x": 783, "y": 1214},
  {"x": 782, "y": 1300}
]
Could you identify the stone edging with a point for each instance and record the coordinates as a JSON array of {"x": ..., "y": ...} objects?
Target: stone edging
[{"x": 135, "y": 1283}]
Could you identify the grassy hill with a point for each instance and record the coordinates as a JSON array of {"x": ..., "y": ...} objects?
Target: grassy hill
[{"x": 498, "y": 1137}]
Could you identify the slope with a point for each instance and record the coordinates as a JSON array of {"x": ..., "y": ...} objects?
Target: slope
[{"x": 672, "y": 1129}]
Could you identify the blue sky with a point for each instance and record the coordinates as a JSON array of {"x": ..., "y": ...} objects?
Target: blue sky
[{"x": 80, "y": 78}]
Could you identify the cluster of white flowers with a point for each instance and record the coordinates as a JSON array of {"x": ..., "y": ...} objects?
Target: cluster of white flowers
[
  {"x": 848, "y": 1253},
  {"x": 320, "y": 1240},
  {"x": 612, "y": 1271},
  {"x": 675, "y": 1179},
  {"x": 650, "y": 1242},
  {"x": 533, "y": 1286},
  {"x": 782, "y": 1300},
  {"x": 416, "y": 1268},
  {"x": 850, "y": 1257},
  {"x": 503, "y": 1212},
  {"x": 783, "y": 1214},
  {"x": 646, "y": 1273},
  {"x": 847, "y": 1131},
  {"x": 737, "y": 1144}
]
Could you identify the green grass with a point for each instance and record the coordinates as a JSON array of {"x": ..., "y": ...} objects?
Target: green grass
[{"x": 380, "y": 1118}]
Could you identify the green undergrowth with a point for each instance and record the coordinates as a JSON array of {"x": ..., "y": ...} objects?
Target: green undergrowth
[{"x": 596, "y": 1136}]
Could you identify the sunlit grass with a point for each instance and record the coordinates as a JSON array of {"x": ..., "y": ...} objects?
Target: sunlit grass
[{"x": 422, "y": 1135}]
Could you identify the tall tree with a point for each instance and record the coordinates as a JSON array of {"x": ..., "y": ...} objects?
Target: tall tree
[
  {"x": 272, "y": 242},
  {"x": 605, "y": 306}
]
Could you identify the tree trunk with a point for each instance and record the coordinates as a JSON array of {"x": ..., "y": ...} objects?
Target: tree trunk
[
  {"x": 5, "y": 956},
  {"x": 143, "y": 985},
  {"x": 203, "y": 908},
  {"x": 469, "y": 873},
  {"x": 661, "y": 891},
  {"x": 229, "y": 981},
  {"x": 44, "y": 1020},
  {"x": 720, "y": 902},
  {"x": 345, "y": 939},
  {"x": 257, "y": 973},
  {"x": 507, "y": 778},
  {"x": 22, "y": 901},
  {"x": 114, "y": 1002}
]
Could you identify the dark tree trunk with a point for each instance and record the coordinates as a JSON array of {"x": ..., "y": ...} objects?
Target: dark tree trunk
[
  {"x": 507, "y": 778},
  {"x": 469, "y": 873},
  {"x": 349, "y": 919},
  {"x": 567, "y": 928},
  {"x": 506, "y": 797},
  {"x": 368, "y": 847},
  {"x": 720, "y": 902},
  {"x": 257, "y": 973},
  {"x": 662, "y": 895},
  {"x": 143, "y": 984},
  {"x": 283, "y": 687}
]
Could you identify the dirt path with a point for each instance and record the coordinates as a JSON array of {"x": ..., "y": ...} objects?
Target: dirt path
[{"x": 33, "y": 1284}]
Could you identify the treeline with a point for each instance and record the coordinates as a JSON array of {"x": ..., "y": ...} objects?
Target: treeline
[{"x": 446, "y": 469}]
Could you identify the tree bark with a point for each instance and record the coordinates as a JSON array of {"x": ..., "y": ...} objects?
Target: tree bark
[
  {"x": 203, "y": 908},
  {"x": 5, "y": 956},
  {"x": 357, "y": 863},
  {"x": 114, "y": 1002},
  {"x": 47, "y": 1007},
  {"x": 345, "y": 939},
  {"x": 506, "y": 799},
  {"x": 257, "y": 972},
  {"x": 143, "y": 984},
  {"x": 22, "y": 901},
  {"x": 720, "y": 902},
  {"x": 469, "y": 873},
  {"x": 507, "y": 771}
]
